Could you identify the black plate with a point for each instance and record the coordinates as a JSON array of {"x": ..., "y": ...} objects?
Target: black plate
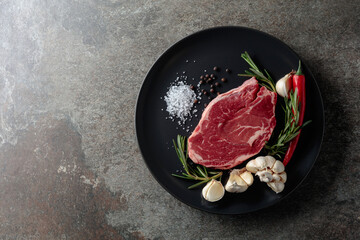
[{"x": 201, "y": 51}]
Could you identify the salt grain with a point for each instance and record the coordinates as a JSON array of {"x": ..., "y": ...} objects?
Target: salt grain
[{"x": 180, "y": 99}]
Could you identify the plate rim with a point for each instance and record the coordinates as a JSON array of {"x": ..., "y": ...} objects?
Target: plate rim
[{"x": 174, "y": 45}]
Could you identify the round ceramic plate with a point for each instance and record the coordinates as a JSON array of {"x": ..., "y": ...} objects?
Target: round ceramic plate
[{"x": 194, "y": 56}]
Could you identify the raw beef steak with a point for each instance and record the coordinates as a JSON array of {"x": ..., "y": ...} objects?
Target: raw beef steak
[{"x": 234, "y": 126}]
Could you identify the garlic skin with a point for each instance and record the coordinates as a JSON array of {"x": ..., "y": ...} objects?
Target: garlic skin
[
  {"x": 284, "y": 85},
  {"x": 265, "y": 175},
  {"x": 239, "y": 181},
  {"x": 213, "y": 191},
  {"x": 270, "y": 171}
]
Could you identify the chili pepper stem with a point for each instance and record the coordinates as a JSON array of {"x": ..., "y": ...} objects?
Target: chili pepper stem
[{"x": 299, "y": 72}]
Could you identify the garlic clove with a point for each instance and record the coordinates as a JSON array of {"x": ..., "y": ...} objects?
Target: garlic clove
[
  {"x": 283, "y": 86},
  {"x": 251, "y": 166},
  {"x": 270, "y": 161},
  {"x": 235, "y": 187},
  {"x": 265, "y": 175},
  {"x": 278, "y": 167},
  {"x": 276, "y": 186},
  {"x": 236, "y": 184},
  {"x": 283, "y": 177},
  {"x": 247, "y": 177},
  {"x": 261, "y": 162},
  {"x": 276, "y": 177},
  {"x": 213, "y": 191}
]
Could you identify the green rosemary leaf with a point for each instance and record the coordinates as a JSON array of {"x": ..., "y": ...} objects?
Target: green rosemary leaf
[
  {"x": 205, "y": 171},
  {"x": 268, "y": 75},
  {"x": 246, "y": 75},
  {"x": 201, "y": 171},
  {"x": 292, "y": 136},
  {"x": 306, "y": 123}
]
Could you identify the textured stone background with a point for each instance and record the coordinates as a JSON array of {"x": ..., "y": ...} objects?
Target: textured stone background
[{"x": 70, "y": 72}]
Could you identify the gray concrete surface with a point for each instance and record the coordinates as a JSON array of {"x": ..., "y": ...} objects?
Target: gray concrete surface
[{"x": 70, "y": 72}]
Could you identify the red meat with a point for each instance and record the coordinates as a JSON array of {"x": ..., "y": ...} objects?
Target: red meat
[{"x": 234, "y": 126}]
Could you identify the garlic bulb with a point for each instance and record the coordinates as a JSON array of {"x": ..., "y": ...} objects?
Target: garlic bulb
[
  {"x": 239, "y": 181},
  {"x": 269, "y": 170},
  {"x": 283, "y": 86},
  {"x": 213, "y": 191}
]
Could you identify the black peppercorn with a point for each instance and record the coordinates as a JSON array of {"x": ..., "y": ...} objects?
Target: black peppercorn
[
  {"x": 217, "y": 84},
  {"x": 212, "y": 90},
  {"x": 216, "y": 68},
  {"x": 228, "y": 70},
  {"x": 223, "y": 79}
]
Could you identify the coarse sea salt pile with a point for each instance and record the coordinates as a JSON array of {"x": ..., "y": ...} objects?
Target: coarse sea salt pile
[{"x": 179, "y": 100}]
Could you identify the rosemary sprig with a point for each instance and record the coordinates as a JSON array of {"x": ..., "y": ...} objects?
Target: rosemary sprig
[
  {"x": 265, "y": 79},
  {"x": 291, "y": 128},
  {"x": 196, "y": 172}
]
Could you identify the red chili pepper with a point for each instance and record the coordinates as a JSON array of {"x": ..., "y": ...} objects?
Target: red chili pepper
[{"x": 298, "y": 82}]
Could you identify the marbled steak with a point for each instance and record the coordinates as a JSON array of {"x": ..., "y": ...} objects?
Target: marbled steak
[{"x": 234, "y": 126}]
